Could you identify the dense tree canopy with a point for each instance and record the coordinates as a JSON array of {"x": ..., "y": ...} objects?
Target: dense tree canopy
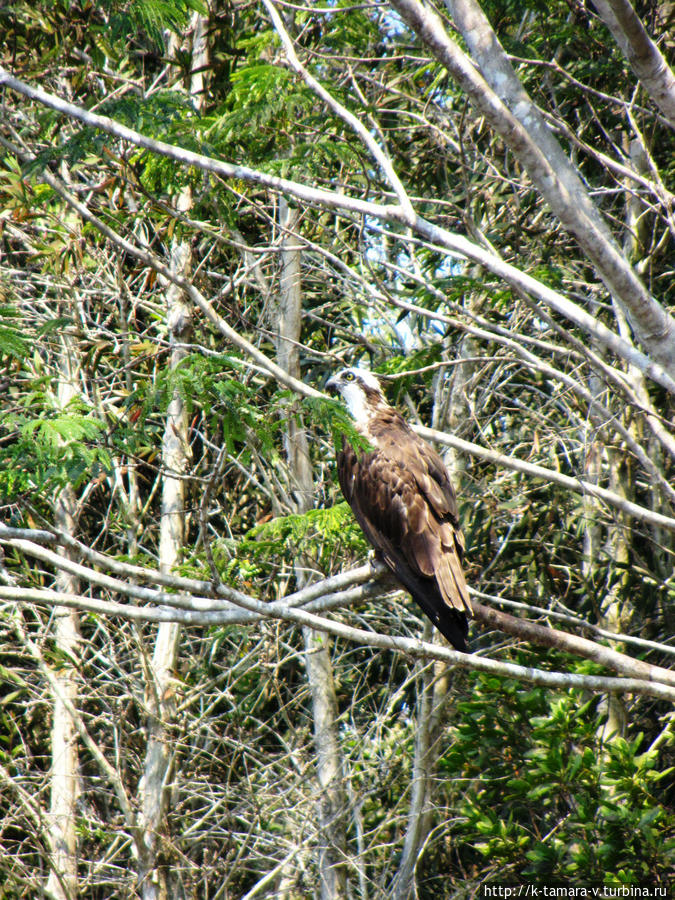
[{"x": 206, "y": 208}]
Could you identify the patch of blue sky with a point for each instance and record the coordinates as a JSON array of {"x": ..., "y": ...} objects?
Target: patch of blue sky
[
  {"x": 403, "y": 333},
  {"x": 393, "y": 24}
]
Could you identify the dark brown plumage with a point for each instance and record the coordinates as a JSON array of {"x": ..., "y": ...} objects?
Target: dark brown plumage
[{"x": 402, "y": 498}]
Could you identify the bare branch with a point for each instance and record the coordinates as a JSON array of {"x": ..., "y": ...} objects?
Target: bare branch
[
  {"x": 376, "y": 151},
  {"x": 577, "y": 485},
  {"x": 661, "y": 682}
]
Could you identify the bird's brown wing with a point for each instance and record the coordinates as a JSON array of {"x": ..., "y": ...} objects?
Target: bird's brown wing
[
  {"x": 440, "y": 525},
  {"x": 403, "y": 500}
]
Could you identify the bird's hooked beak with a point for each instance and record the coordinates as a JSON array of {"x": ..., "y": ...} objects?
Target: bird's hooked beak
[{"x": 333, "y": 385}]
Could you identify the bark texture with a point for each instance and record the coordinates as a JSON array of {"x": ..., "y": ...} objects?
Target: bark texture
[
  {"x": 62, "y": 883},
  {"x": 156, "y": 787},
  {"x": 645, "y": 58},
  {"x": 331, "y": 803}
]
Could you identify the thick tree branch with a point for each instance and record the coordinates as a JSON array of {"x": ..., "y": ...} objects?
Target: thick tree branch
[
  {"x": 652, "y": 685},
  {"x": 202, "y": 610},
  {"x": 335, "y": 591},
  {"x": 652, "y": 323},
  {"x": 644, "y": 56},
  {"x": 577, "y": 485}
]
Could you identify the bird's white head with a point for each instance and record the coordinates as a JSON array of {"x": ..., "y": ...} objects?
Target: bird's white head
[{"x": 360, "y": 391}]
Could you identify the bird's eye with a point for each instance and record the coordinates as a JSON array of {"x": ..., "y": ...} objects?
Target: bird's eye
[{"x": 349, "y": 376}]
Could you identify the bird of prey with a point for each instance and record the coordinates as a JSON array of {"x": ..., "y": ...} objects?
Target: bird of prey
[{"x": 402, "y": 497}]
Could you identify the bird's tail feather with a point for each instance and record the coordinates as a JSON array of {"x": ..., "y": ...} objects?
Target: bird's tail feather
[{"x": 452, "y": 623}]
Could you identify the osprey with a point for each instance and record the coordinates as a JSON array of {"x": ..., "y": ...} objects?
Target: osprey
[{"x": 402, "y": 498}]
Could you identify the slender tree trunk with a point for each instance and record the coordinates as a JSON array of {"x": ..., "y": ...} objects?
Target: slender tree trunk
[
  {"x": 289, "y": 330},
  {"x": 62, "y": 883},
  {"x": 329, "y": 764},
  {"x": 64, "y": 770},
  {"x": 615, "y": 612},
  {"x": 154, "y": 881},
  {"x": 154, "y": 876},
  {"x": 424, "y": 764},
  {"x": 330, "y": 767},
  {"x": 130, "y": 499}
]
